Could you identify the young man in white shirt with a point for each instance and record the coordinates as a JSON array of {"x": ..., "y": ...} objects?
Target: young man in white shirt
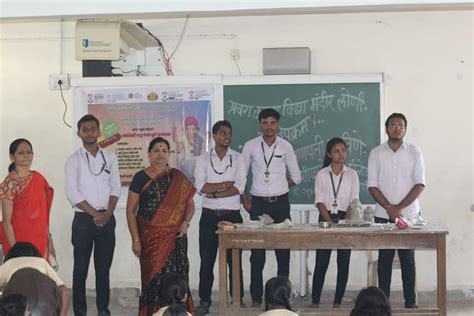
[
  {"x": 396, "y": 178},
  {"x": 270, "y": 157},
  {"x": 93, "y": 189},
  {"x": 220, "y": 177}
]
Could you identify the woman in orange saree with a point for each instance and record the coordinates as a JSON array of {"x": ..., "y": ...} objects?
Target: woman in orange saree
[
  {"x": 164, "y": 199},
  {"x": 26, "y": 202}
]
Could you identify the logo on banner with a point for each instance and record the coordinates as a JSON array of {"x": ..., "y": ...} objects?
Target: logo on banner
[
  {"x": 85, "y": 42},
  {"x": 152, "y": 96}
]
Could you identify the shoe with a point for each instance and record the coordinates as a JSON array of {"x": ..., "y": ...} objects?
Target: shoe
[
  {"x": 104, "y": 313},
  {"x": 314, "y": 305},
  {"x": 242, "y": 304},
  {"x": 202, "y": 309},
  {"x": 256, "y": 304},
  {"x": 411, "y": 305}
]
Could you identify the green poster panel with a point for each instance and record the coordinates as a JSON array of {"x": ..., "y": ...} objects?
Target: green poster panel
[{"x": 311, "y": 114}]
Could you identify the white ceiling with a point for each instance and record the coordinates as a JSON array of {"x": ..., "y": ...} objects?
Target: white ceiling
[{"x": 72, "y": 9}]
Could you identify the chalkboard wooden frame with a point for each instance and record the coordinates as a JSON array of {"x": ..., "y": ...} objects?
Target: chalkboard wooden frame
[{"x": 329, "y": 79}]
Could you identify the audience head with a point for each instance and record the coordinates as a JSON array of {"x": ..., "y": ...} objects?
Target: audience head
[
  {"x": 173, "y": 289},
  {"x": 177, "y": 309},
  {"x": 329, "y": 148},
  {"x": 371, "y": 301},
  {"x": 277, "y": 293},
  {"x": 14, "y": 305},
  {"x": 22, "y": 249},
  {"x": 19, "y": 147}
]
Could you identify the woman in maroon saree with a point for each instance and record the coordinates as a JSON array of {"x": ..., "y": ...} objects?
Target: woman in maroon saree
[
  {"x": 164, "y": 198},
  {"x": 26, "y": 202}
]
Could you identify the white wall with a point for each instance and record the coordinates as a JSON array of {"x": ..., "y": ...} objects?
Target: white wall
[{"x": 427, "y": 58}]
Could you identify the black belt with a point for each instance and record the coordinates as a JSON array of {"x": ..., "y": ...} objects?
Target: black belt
[
  {"x": 208, "y": 211},
  {"x": 271, "y": 199}
]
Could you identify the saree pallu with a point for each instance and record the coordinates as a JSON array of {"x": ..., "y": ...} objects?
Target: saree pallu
[
  {"x": 162, "y": 206},
  {"x": 30, "y": 217}
]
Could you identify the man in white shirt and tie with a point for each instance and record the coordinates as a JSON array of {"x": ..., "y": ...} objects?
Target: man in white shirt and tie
[
  {"x": 93, "y": 189},
  {"x": 396, "y": 177},
  {"x": 270, "y": 157},
  {"x": 220, "y": 177}
]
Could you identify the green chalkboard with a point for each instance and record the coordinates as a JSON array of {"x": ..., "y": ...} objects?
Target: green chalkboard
[{"x": 311, "y": 114}]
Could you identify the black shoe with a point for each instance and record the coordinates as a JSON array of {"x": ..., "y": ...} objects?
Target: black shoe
[
  {"x": 202, "y": 309},
  {"x": 256, "y": 304},
  {"x": 104, "y": 313},
  {"x": 411, "y": 305}
]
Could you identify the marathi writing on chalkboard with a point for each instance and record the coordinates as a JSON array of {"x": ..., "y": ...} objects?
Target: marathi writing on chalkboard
[{"x": 311, "y": 114}]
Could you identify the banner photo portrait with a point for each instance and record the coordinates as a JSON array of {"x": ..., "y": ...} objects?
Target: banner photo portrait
[{"x": 130, "y": 117}]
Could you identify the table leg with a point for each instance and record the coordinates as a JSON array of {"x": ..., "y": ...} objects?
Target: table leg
[
  {"x": 441, "y": 265},
  {"x": 222, "y": 279},
  {"x": 236, "y": 278},
  {"x": 304, "y": 219}
]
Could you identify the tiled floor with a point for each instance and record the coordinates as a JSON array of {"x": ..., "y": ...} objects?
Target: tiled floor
[{"x": 455, "y": 308}]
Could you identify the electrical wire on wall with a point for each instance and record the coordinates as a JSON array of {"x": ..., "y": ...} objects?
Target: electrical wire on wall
[
  {"x": 137, "y": 71},
  {"x": 60, "y": 83},
  {"x": 166, "y": 58},
  {"x": 237, "y": 64}
]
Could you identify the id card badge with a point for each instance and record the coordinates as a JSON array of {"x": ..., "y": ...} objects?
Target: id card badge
[
  {"x": 267, "y": 176},
  {"x": 334, "y": 207}
]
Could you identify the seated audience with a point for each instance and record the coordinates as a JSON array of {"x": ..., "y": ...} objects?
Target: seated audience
[
  {"x": 277, "y": 297},
  {"x": 172, "y": 297},
  {"x": 176, "y": 310},
  {"x": 26, "y": 272},
  {"x": 14, "y": 305},
  {"x": 371, "y": 301}
]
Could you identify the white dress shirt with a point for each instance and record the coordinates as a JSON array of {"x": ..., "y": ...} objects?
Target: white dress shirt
[
  {"x": 284, "y": 157},
  {"x": 395, "y": 174},
  {"x": 233, "y": 168},
  {"x": 86, "y": 182},
  {"x": 348, "y": 190}
]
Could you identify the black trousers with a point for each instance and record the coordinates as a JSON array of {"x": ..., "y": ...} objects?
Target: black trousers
[
  {"x": 407, "y": 264},
  {"x": 208, "y": 244},
  {"x": 279, "y": 210},
  {"x": 322, "y": 262},
  {"x": 85, "y": 237}
]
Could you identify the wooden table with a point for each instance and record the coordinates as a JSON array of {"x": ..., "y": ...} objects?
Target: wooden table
[{"x": 310, "y": 236}]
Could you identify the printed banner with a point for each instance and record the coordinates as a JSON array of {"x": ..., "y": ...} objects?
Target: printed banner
[{"x": 131, "y": 117}]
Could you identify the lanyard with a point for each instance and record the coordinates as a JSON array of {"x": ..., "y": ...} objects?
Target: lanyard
[
  {"x": 212, "y": 164},
  {"x": 267, "y": 163},
  {"x": 104, "y": 163},
  {"x": 334, "y": 190}
]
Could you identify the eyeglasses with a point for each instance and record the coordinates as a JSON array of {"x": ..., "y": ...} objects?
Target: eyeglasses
[{"x": 396, "y": 126}]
